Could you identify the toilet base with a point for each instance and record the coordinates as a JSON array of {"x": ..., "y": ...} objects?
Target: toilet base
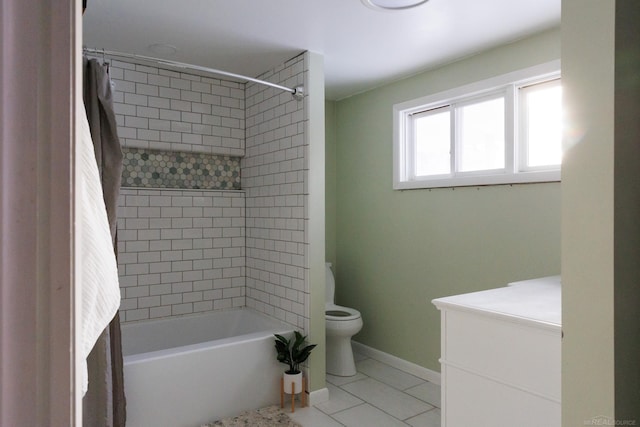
[{"x": 340, "y": 357}]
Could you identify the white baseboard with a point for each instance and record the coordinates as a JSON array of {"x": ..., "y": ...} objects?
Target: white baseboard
[
  {"x": 317, "y": 397},
  {"x": 396, "y": 362}
]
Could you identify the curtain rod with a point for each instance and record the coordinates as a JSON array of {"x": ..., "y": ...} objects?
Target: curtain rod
[{"x": 297, "y": 92}]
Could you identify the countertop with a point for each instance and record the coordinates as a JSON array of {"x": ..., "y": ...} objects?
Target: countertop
[{"x": 535, "y": 301}]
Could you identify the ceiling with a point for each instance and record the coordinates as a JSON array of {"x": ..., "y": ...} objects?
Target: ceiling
[{"x": 362, "y": 48}]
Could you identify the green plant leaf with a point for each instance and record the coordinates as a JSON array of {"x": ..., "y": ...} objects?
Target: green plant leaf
[
  {"x": 283, "y": 352},
  {"x": 304, "y": 354},
  {"x": 299, "y": 340},
  {"x": 290, "y": 351},
  {"x": 282, "y": 339}
]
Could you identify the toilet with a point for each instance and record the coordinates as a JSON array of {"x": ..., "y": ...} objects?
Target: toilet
[{"x": 341, "y": 324}]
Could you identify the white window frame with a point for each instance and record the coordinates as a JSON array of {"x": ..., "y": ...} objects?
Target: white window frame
[{"x": 508, "y": 84}]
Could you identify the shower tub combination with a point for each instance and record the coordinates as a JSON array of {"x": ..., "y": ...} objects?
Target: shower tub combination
[{"x": 195, "y": 369}]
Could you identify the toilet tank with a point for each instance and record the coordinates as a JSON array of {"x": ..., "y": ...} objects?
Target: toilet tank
[{"x": 330, "y": 287}]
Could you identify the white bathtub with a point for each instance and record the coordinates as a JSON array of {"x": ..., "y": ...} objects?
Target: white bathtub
[{"x": 190, "y": 370}]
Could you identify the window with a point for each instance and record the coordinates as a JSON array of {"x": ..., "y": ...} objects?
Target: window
[
  {"x": 540, "y": 125},
  {"x": 499, "y": 131}
]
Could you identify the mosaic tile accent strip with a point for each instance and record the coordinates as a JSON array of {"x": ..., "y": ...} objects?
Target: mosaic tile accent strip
[{"x": 166, "y": 169}]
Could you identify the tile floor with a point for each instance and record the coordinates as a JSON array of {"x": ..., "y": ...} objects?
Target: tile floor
[{"x": 377, "y": 396}]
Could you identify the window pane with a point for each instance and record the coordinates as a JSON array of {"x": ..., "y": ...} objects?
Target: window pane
[
  {"x": 543, "y": 124},
  {"x": 433, "y": 143},
  {"x": 481, "y": 136}
]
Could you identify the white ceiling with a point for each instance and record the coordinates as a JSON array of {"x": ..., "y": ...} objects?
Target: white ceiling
[{"x": 362, "y": 48}]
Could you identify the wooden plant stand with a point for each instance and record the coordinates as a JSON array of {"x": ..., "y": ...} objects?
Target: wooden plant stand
[{"x": 303, "y": 394}]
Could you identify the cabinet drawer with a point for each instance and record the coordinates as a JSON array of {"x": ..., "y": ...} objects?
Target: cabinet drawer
[
  {"x": 471, "y": 400},
  {"x": 504, "y": 350}
]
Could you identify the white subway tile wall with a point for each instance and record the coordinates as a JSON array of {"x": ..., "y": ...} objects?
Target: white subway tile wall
[
  {"x": 167, "y": 110},
  {"x": 186, "y": 251},
  {"x": 273, "y": 175},
  {"x": 180, "y": 251}
]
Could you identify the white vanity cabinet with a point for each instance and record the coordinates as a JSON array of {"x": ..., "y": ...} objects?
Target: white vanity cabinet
[{"x": 501, "y": 356}]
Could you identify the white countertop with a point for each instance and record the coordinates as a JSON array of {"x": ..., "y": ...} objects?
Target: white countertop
[{"x": 535, "y": 301}]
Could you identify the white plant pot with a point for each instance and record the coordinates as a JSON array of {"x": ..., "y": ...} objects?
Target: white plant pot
[{"x": 295, "y": 379}]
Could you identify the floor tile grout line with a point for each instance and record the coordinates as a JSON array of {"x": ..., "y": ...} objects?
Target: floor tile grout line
[
  {"x": 423, "y": 381},
  {"x": 346, "y": 409},
  {"x": 422, "y": 400},
  {"x": 351, "y": 394},
  {"x": 421, "y": 413},
  {"x": 403, "y": 392},
  {"x": 364, "y": 402},
  {"x": 380, "y": 409}
]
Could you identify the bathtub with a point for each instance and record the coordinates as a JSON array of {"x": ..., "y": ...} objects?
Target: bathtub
[{"x": 186, "y": 371}]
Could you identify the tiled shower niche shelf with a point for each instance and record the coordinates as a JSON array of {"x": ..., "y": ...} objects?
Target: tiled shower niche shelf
[{"x": 144, "y": 168}]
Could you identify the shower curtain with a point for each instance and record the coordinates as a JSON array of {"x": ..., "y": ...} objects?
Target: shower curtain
[{"x": 104, "y": 403}]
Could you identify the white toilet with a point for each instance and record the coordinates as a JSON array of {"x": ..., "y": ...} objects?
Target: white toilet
[{"x": 342, "y": 323}]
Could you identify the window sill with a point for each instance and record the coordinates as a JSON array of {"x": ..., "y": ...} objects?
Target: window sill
[{"x": 480, "y": 180}]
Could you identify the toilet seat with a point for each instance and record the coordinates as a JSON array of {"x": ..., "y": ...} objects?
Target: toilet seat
[{"x": 338, "y": 313}]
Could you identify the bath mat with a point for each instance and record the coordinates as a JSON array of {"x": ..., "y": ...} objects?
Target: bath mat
[{"x": 271, "y": 416}]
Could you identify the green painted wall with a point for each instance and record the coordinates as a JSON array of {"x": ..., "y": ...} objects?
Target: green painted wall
[{"x": 397, "y": 250}]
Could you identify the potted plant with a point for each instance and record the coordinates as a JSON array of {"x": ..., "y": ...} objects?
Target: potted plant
[{"x": 293, "y": 352}]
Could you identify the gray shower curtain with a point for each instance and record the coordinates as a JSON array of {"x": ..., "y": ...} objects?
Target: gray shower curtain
[{"x": 104, "y": 403}]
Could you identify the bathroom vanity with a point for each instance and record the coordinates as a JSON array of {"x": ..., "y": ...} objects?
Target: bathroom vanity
[{"x": 501, "y": 356}]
